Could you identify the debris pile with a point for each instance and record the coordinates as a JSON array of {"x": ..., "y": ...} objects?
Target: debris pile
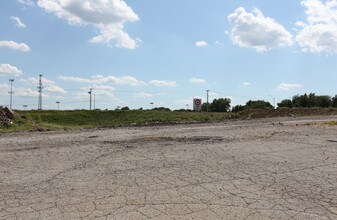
[{"x": 6, "y": 116}]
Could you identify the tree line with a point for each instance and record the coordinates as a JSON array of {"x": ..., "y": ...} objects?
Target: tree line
[
  {"x": 309, "y": 101},
  {"x": 298, "y": 101}
]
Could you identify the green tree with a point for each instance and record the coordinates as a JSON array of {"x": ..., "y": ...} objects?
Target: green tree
[
  {"x": 259, "y": 104},
  {"x": 324, "y": 101},
  {"x": 334, "y": 101},
  {"x": 301, "y": 101},
  {"x": 238, "y": 108},
  {"x": 204, "y": 107},
  {"x": 286, "y": 103},
  {"x": 221, "y": 105}
]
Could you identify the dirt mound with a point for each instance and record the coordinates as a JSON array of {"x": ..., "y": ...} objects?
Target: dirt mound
[
  {"x": 6, "y": 116},
  {"x": 286, "y": 112}
]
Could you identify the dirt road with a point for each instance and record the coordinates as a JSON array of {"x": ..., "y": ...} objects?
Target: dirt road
[{"x": 261, "y": 169}]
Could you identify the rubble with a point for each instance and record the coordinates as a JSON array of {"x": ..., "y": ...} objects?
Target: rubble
[{"x": 6, "y": 116}]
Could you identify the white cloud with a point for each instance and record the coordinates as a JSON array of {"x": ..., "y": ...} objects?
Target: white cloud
[
  {"x": 26, "y": 92},
  {"x": 254, "y": 30},
  {"x": 213, "y": 95},
  {"x": 18, "y": 22},
  {"x": 288, "y": 86},
  {"x": 26, "y": 2},
  {"x": 14, "y": 45},
  {"x": 21, "y": 91},
  {"x": 74, "y": 79},
  {"x": 35, "y": 81},
  {"x": 123, "y": 80},
  {"x": 201, "y": 44},
  {"x": 99, "y": 79},
  {"x": 161, "y": 83},
  {"x": 142, "y": 95},
  {"x": 101, "y": 90},
  {"x": 55, "y": 89},
  {"x": 7, "y": 69},
  {"x": 319, "y": 33},
  {"x": 49, "y": 85},
  {"x": 197, "y": 81},
  {"x": 108, "y": 16},
  {"x": 246, "y": 84}
]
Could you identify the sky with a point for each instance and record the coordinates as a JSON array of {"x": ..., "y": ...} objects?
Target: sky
[{"x": 134, "y": 53}]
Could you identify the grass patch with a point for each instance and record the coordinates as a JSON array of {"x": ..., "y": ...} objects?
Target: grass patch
[{"x": 83, "y": 119}]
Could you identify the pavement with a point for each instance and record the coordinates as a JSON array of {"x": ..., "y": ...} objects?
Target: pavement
[{"x": 281, "y": 168}]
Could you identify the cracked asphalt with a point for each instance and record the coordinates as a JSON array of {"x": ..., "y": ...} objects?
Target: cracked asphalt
[{"x": 259, "y": 169}]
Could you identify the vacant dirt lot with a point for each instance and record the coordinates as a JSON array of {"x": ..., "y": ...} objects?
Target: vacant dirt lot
[{"x": 261, "y": 169}]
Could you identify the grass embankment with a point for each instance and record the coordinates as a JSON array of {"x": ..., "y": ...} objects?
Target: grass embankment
[{"x": 83, "y": 119}]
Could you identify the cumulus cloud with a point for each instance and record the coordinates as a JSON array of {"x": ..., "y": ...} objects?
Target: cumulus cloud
[
  {"x": 101, "y": 90},
  {"x": 123, "y": 80},
  {"x": 7, "y": 69},
  {"x": 14, "y": 45},
  {"x": 197, "y": 81},
  {"x": 108, "y": 16},
  {"x": 288, "y": 86},
  {"x": 254, "y": 30},
  {"x": 17, "y": 21},
  {"x": 26, "y": 2},
  {"x": 55, "y": 89},
  {"x": 49, "y": 85},
  {"x": 213, "y": 95},
  {"x": 99, "y": 79},
  {"x": 161, "y": 83},
  {"x": 246, "y": 84},
  {"x": 142, "y": 95},
  {"x": 201, "y": 44},
  {"x": 318, "y": 34},
  {"x": 74, "y": 79}
]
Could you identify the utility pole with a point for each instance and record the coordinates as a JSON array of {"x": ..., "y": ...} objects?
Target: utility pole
[
  {"x": 90, "y": 92},
  {"x": 40, "y": 92},
  {"x": 207, "y": 91},
  {"x": 11, "y": 94}
]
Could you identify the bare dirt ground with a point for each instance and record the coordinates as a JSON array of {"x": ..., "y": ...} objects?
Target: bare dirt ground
[{"x": 260, "y": 169}]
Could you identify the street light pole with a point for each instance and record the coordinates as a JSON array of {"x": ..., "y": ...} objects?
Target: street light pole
[
  {"x": 90, "y": 92},
  {"x": 11, "y": 94},
  {"x": 58, "y": 105}
]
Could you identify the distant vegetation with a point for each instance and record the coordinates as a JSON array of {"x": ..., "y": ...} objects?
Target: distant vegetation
[
  {"x": 85, "y": 119},
  {"x": 309, "y": 101},
  {"x": 218, "y": 110},
  {"x": 297, "y": 101}
]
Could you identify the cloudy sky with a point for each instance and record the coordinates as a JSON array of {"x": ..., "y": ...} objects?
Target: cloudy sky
[{"x": 132, "y": 53}]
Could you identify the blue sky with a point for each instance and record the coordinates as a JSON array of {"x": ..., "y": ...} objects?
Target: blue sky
[{"x": 133, "y": 52}]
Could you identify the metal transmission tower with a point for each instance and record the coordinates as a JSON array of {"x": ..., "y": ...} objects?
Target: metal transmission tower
[
  {"x": 40, "y": 92},
  {"x": 11, "y": 94},
  {"x": 207, "y": 91},
  {"x": 90, "y": 93}
]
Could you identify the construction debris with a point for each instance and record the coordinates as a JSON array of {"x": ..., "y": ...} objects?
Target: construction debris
[{"x": 6, "y": 116}]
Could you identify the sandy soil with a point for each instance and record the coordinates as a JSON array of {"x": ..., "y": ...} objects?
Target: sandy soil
[{"x": 261, "y": 169}]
